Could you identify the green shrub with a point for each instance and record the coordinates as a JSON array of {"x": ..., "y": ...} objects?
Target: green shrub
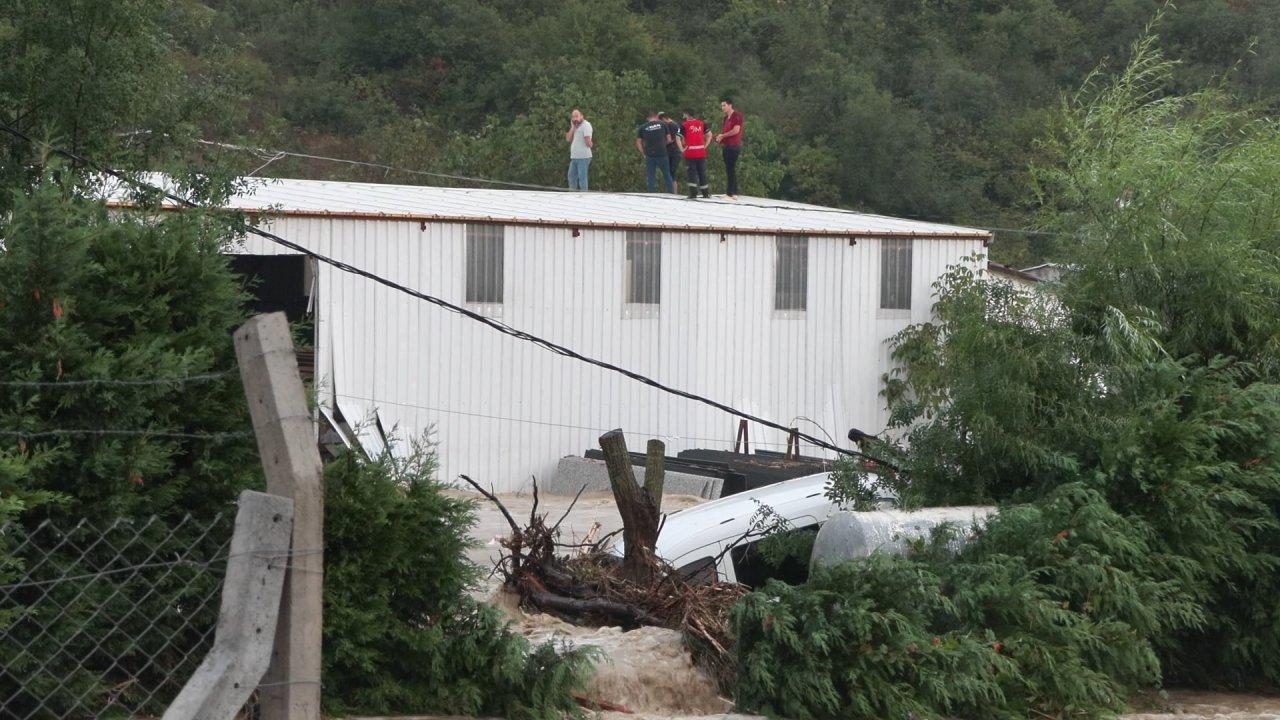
[
  {"x": 88, "y": 295},
  {"x": 1064, "y": 627},
  {"x": 401, "y": 634},
  {"x": 1128, "y": 419}
]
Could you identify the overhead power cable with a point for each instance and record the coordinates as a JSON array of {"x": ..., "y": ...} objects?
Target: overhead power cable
[
  {"x": 547, "y": 423},
  {"x": 272, "y": 155},
  {"x": 439, "y": 302}
]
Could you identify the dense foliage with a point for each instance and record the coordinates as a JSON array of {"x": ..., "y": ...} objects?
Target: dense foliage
[
  {"x": 909, "y": 108},
  {"x": 1062, "y": 626},
  {"x": 94, "y": 303},
  {"x": 1128, "y": 418},
  {"x": 89, "y": 297},
  {"x": 401, "y": 634},
  {"x": 92, "y": 308}
]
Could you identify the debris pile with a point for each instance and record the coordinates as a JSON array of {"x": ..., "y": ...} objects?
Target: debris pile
[{"x": 587, "y": 584}]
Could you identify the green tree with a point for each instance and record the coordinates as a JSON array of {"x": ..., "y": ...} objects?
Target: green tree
[
  {"x": 1147, "y": 375},
  {"x": 101, "y": 79},
  {"x": 401, "y": 634}
]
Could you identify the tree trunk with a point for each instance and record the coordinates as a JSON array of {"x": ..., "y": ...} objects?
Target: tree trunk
[
  {"x": 654, "y": 473},
  {"x": 636, "y": 505}
]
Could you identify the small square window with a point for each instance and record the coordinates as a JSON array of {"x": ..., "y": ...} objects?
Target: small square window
[
  {"x": 644, "y": 267},
  {"x": 895, "y": 274},
  {"x": 791, "y": 273},
  {"x": 484, "y": 263}
]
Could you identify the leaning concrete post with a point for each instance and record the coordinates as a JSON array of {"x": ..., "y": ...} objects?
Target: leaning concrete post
[
  {"x": 248, "y": 616},
  {"x": 287, "y": 443}
]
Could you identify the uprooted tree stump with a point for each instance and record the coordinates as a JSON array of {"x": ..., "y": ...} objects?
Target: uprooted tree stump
[
  {"x": 640, "y": 507},
  {"x": 590, "y": 586}
]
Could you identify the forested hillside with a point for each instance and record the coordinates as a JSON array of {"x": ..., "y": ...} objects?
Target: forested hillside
[{"x": 919, "y": 108}]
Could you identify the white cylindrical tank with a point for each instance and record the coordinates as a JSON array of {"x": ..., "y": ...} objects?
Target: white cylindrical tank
[{"x": 849, "y": 535}]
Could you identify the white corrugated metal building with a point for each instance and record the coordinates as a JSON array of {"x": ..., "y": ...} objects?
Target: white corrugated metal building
[{"x": 777, "y": 308}]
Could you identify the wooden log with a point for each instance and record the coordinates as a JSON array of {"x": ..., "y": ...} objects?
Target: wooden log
[
  {"x": 639, "y": 515},
  {"x": 597, "y": 607},
  {"x": 654, "y": 475}
]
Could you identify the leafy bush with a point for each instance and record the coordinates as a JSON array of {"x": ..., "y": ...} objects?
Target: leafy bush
[
  {"x": 1128, "y": 419},
  {"x": 401, "y": 634},
  {"x": 91, "y": 302},
  {"x": 1064, "y": 627}
]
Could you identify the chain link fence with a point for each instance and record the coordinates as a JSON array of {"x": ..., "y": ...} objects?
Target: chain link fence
[{"x": 106, "y": 619}]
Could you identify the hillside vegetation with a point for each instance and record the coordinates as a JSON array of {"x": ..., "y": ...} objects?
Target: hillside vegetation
[{"x": 918, "y": 109}]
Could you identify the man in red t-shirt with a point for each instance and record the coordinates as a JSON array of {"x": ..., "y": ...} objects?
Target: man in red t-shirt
[
  {"x": 695, "y": 154},
  {"x": 730, "y": 139}
]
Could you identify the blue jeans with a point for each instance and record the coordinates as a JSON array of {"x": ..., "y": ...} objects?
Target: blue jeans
[
  {"x": 578, "y": 173},
  {"x": 658, "y": 163}
]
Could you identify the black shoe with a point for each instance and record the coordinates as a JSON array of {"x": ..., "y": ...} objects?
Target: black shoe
[
  {"x": 706, "y": 194},
  {"x": 692, "y": 195}
]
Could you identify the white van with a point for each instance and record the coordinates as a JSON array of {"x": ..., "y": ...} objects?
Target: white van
[{"x": 691, "y": 539}]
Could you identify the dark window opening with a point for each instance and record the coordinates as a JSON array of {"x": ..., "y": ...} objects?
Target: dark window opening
[
  {"x": 699, "y": 572},
  {"x": 275, "y": 283},
  {"x": 781, "y": 556}
]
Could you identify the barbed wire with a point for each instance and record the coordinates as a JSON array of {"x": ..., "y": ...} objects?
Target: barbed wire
[
  {"x": 169, "y": 434},
  {"x": 118, "y": 382},
  {"x": 199, "y": 564}
]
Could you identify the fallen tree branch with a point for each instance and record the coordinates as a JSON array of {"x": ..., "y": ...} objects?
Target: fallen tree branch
[
  {"x": 556, "y": 527},
  {"x": 599, "y": 607},
  {"x": 493, "y": 499}
]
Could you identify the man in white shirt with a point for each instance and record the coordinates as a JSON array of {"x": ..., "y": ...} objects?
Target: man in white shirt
[{"x": 580, "y": 144}]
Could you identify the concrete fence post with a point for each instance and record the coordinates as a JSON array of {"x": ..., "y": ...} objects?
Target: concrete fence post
[
  {"x": 247, "y": 618},
  {"x": 286, "y": 436}
]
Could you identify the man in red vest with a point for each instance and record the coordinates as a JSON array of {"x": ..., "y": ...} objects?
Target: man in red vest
[{"x": 695, "y": 154}]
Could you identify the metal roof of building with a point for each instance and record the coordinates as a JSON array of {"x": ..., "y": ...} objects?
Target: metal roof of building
[{"x": 572, "y": 209}]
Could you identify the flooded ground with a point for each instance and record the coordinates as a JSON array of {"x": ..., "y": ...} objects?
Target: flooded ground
[{"x": 648, "y": 672}]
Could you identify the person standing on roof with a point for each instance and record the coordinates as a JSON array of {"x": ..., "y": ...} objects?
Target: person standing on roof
[
  {"x": 651, "y": 140},
  {"x": 674, "y": 149},
  {"x": 695, "y": 154},
  {"x": 730, "y": 138},
  {"x": 580, "y": 144}
]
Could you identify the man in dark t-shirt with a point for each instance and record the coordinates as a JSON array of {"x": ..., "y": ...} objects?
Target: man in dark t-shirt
[
  {"x": 651, "y": 140},
  {"x": 675, "y": 149}
]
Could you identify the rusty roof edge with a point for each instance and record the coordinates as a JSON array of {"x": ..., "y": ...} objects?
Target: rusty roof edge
[{"x": 727, "y": 229}]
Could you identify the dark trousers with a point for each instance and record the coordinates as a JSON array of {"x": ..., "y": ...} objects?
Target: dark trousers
[
  {"x": 652, "y": 165},
  {"x": 731, "y": 153},
  {"x": 675, "y": 169},
  {"x": 697, "y": 168}
]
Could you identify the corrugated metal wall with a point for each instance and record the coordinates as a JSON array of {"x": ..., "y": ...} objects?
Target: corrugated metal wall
[{"x": 504, "y": 410}]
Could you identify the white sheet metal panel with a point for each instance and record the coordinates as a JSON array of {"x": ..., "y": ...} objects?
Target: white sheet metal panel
[
  {"x": 503, "y": 410},
  {"x": 593, "y": 209}
]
